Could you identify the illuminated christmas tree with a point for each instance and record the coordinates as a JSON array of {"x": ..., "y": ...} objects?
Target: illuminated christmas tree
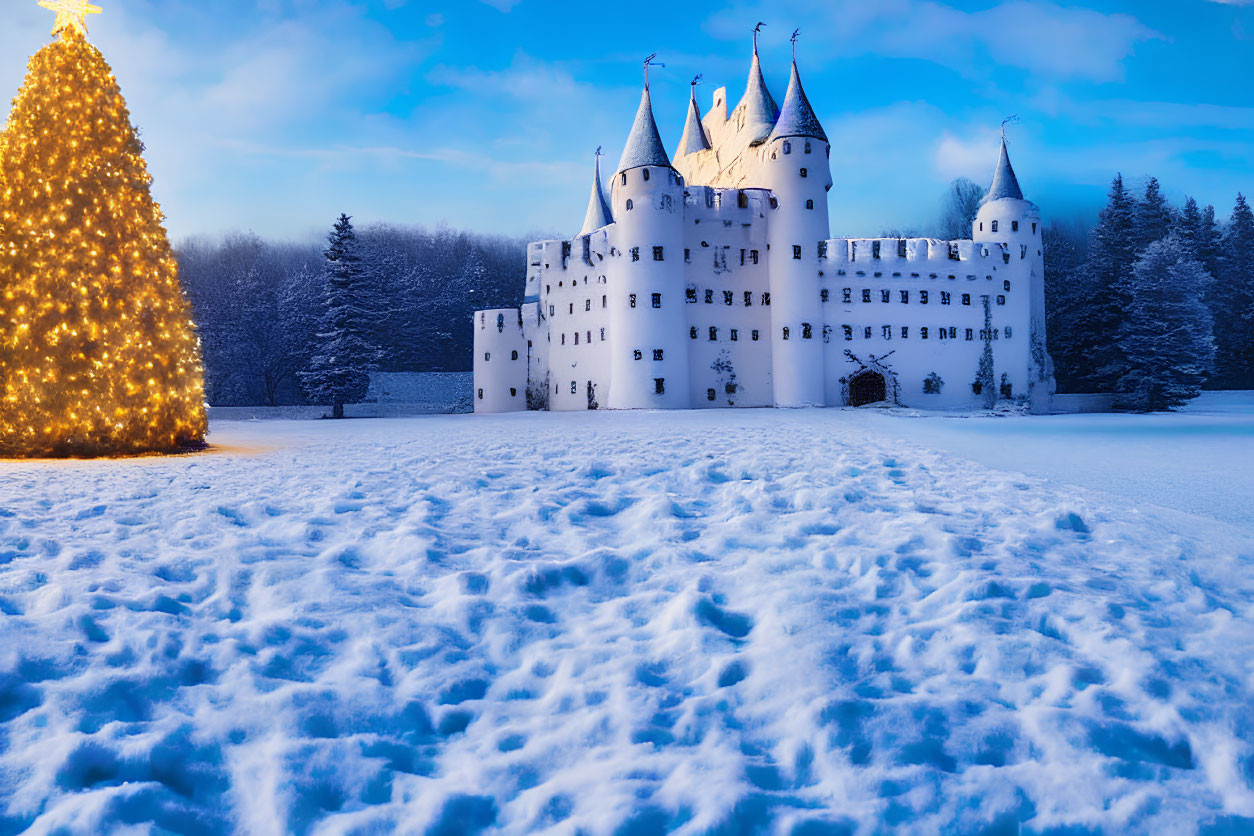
[{"x": 98, "y": 353}]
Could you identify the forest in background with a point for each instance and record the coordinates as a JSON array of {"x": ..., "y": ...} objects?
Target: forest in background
[{"x": 1152, "y": 303}]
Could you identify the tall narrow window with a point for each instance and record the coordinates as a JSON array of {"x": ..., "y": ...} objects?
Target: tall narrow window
[
  {"x": 657, "y": 254},
  {"x": 659, "y": 385},
  {"x": 756, "y": 335},
  {"x": 624, "y": 178},
  {"x": 735, "y": 335},
  {"x": 729, "y": 297},
  {"x": 809, "y": 204},
  {"x": 945, "y": 297},
  {"x": 710, "y": 394},
  {"x": 574, "y": 388},
  {"x": 748, "y": 299},
  {"x": 687, "y": 256},
  {"x": 646, "y": 175},
  {"x": 866, "y": 294},
  {"x": 846, "y": 295},
  {"x": 692, "y": 332},
  {"x": 786, "y": 332},
  {"x": 923, "y": 333},
  {"x": 805, "y": 173},
  {"x": 742, "y": 200},
  {"x": 630, "y": 204},
  {"x": 922, "y": 297},
  {"x": 766, "y": 298},
  {"x": 887, "y": 332},
  {"x": 631, "y": 300},
  {"x": 637, "y": 354},
  {"x": 753, "y": 256},
  {"x": 807, "y": 146},
  {"x": 713, "y": 334},
  {"x": 787, "y": 147},
  {"x": 807, "y": 331},
  {"x": 1014, "y": 226},
  {"x": 690, "y": 295},
  {"x": 709, "y": 297},
  {"x": 657, "y": 300},
  {"x": 886, "y": 296},
  {"x": 796, "y": 252},
  {"x": 513, "y": 355},
  {"x": 995, "y": 224},
  {"x": 905, "y": 333},
  {"x": 848, "y": 329},
  {"x": 970, "y": 335},
  {"x": 587, "y": 304},
  {"x": 905, "y": 297},
  {"x": 635, "y": 253},
  {"x": 966, "y": 299},
  {"x": 825, "y": 295}
]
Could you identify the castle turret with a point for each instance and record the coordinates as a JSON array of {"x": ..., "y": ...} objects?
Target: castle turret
[
  {"x": 757, "y": 110},
  {"x": 598, "y": 214},
  {"x": 694, "y": 138},
  {"x": 797, "y": 171},
  {"x": 648, "y": 322},
  {"x": 1005, "y": 217}
]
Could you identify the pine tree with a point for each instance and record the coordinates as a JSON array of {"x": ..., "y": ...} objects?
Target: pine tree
[
  {"x": 1067, "y": 295},
  {"x": 1153, "y": 216},
  {"x": 1112, "y": 253},
  {"x": 341, "y": 362},
  {"x": 98, "y": 353},
  {"x": 1166, "y": 335},
  {"x": 1232, "y": 302},
  {"x": 1188, "y": 227}
]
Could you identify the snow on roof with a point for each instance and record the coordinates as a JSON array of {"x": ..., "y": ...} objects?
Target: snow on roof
[
  {"x": 599, "y": 214},
  {"x": 644, "y": 145},
  {"x": 1005, "y": 184},
  {"x": 797, "y": 116},
  {"x": 760, "y": 108},
  {"x": 694, "y": 138}
]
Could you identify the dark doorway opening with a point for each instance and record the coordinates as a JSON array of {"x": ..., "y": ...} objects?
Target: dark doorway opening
[{"x": 867, "y": 388}]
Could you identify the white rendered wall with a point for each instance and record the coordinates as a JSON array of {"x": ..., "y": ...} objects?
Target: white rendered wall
[
  {"x": 574, "y": 291},
  {"x": 500, "y": 361},
  {"x": 637, "y": 329},
  {"x": 799, "y": 176}
]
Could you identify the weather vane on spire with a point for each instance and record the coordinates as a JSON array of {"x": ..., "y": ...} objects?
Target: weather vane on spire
[
  {"x": 649, "y": 62},
  {"x": 757, "y": 30},
  {"x": 1009, "y": 120},
  {"x": 71, "y": 15},
  {"x": 697, "y": 79},
  {"x": 796, "y": 33},
  {"x": 598, "y": 153}
]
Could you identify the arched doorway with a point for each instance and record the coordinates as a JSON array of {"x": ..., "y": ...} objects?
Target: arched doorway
[{"x": 868, "y": 387}]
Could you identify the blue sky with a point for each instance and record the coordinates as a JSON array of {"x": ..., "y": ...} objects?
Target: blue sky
[{"x": 275, "y": 115}]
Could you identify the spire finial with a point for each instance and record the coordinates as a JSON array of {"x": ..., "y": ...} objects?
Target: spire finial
[
  {"x": 796, "y": 33},
  {"x": 1009, "y": 120},
  {"x": 695, "y": 81},
  {"x": 756, "y": 31},
  {"x": 649, "y": 62},
  {"x": 598, "y": 153}
]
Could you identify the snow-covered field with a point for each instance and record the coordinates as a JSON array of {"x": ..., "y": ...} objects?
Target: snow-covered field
[{"x": 719, "y": 622}]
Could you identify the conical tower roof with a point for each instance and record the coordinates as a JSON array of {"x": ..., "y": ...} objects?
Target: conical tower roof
[
  {"x": 1005, "y": 184},
  {"x": 797, "y": 116},
  {"x": 599, "y": 214},
  {"x": 760, "y": 108},
  {"x": 644, "y": 145},
  {"x": 694, "y": 138}
]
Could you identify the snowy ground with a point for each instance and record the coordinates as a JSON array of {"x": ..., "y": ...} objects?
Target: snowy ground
[{"x": 736, "y": 622}]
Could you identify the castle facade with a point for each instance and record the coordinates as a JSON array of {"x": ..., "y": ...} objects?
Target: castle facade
[{"x": 710, "y": 280}]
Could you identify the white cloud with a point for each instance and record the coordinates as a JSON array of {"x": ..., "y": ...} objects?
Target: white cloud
[{"x": 502, "y": 5}]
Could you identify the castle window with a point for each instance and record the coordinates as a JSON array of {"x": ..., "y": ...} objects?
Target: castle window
[
  {"x": 563, "y": 339},
  {"x": 809, "y": 204},
  {"x": 848, "y": 329},
  {"x": 807, "y": 331},
  {"x": 713, "y": 334},
  {"x": 787, "y": 147},
  {"x": 572, "y": 307},
  {"x": 487, "y": 357},
  {"x": 905, "y": 297},
  {"x": 923, "y": 333},
  {"x": 946, "y": 298},
  {"x": 743, "y": 254},
  {"x": 1033, "y": 229},
  {"x": 766, "y": 298},
  {"x": 630, "y": 204},
  {"x": 966, "y": 299},
  {"x": 742, "y": 200},
  {"x": 1006, "y": 285},
  {"x": 691, "y": 295},
  {"x": 953, "y": 333},
  {"x": 866, "y": 294},
  {"x": 637, "y": 355},
  {"x": 825, "y": 296},
  {"x": 796, "y": 252},
  {"x": 922, "y": 297},
  {"x": 480, "y": 394},
  {"x": 995, "y": 223},
  {"x": 657, "y": 254},
  {"x": 866, "y": 333},
  {"x": 753, "y": 256},
  {"x": 513, "y": 355},
  {"x": 602, "y": 335},
  {"x": 905, "y": 333},
  {"x": 729, "y": 298},
  {"x": 1023, "y": 251},
  {"x": 552, "y": 311},
  {"x": 981, "y": 226},
  {"x": 735, "y": 335},
  {"x": 756, "y": 335},
  {"x": 687, "y": 256},
  {"x": 774, "y": 203},
  {"x": 970, "y": 335},
  {"x": 710, "y": 394},
  {"x": 624, "y": 178},
  {"x": 709, "y": 297},
  {"x": 657, "y": 355},
  {"x": 846, "y": 295},
  {"x": 574, "y": 388},
  {"x": 886, "y": 296},
  {"x": 1009, "y": 332},
  {"x": 589, "y": 334},
  {"x": 807, "y": 146},
  {"x": 822, "y": 249},
  {"x": 692, "y": 332},
  {"x": 902, "y": 251},
  {"x": 632, "y": 300},
  {"x": 748, "y": 299},
  {"x": 955, "y": 254},
  {"x": 1014, "y": 226},
  {"x": 875, "y": 249},
  {"x": 785, "y": 332},
  {"x": 635, "y": 253},
  {"x": 887, "y": 332},
  {"x": 513, "y": 393},
  {"x": 605, "y": 301},
  {"x": 659, "y": 385},
  {"x": 587, "y": 304},
  {"x": 805, "y": 173},
  {"x": 657, "y": 300},
  {"x": 1001, "y": 300},
  {"x": 576, "y": 338},
  {"x": 646, "y": 175}
]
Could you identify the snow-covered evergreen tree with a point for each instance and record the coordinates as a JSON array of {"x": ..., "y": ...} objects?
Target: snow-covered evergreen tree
[
  {"x": 1067, "y": 294},
  {"x": 1112, "y": 253},
  {"x": 1232, "y": 302},
  {"x": 344, "y": 354},
  {"x": 1153, "y": 216},
  {"x": 1166, "y": 346}
]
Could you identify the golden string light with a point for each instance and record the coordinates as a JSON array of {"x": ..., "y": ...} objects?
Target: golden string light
[
  {"x": 98, "y": 353},
  {"x": 71, "y": 15}
]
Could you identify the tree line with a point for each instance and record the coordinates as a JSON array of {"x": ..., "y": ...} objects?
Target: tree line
[{"x": 261, "y": 305}]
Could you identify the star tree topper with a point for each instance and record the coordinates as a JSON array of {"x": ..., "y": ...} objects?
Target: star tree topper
[{"x": 71, "y": 15}]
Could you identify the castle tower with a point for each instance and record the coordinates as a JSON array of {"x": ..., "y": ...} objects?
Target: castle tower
[
  {"x": 797, "y": 171},
  {"x": 757, "y": 110},
  {"x": 1005, "y": 217},
  {"x": 694, "y": 138},
  {"x": 598, "y": 214},
  {"x": 648, "y": 322}
]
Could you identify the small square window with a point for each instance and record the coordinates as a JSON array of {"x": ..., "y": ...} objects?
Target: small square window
[
  {"x": 866, "y": 294},
  {"x": 756, "y": 335},
  {"x": 657, "y": 254},
  {"x": 637, "y": 355},
  {"x": 710, "y": 394},
  {"x": 825, "y": 296},
  {"x": 923, "y": 333},
  {"x": 966, "y": 299},
  {"x": 657, "y": 355},
  {"x": 805, "y": 173},
  {"x": 1001, "y": 300}
]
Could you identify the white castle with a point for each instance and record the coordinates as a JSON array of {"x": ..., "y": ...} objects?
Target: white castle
[{"x": 711, "y": 281}]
